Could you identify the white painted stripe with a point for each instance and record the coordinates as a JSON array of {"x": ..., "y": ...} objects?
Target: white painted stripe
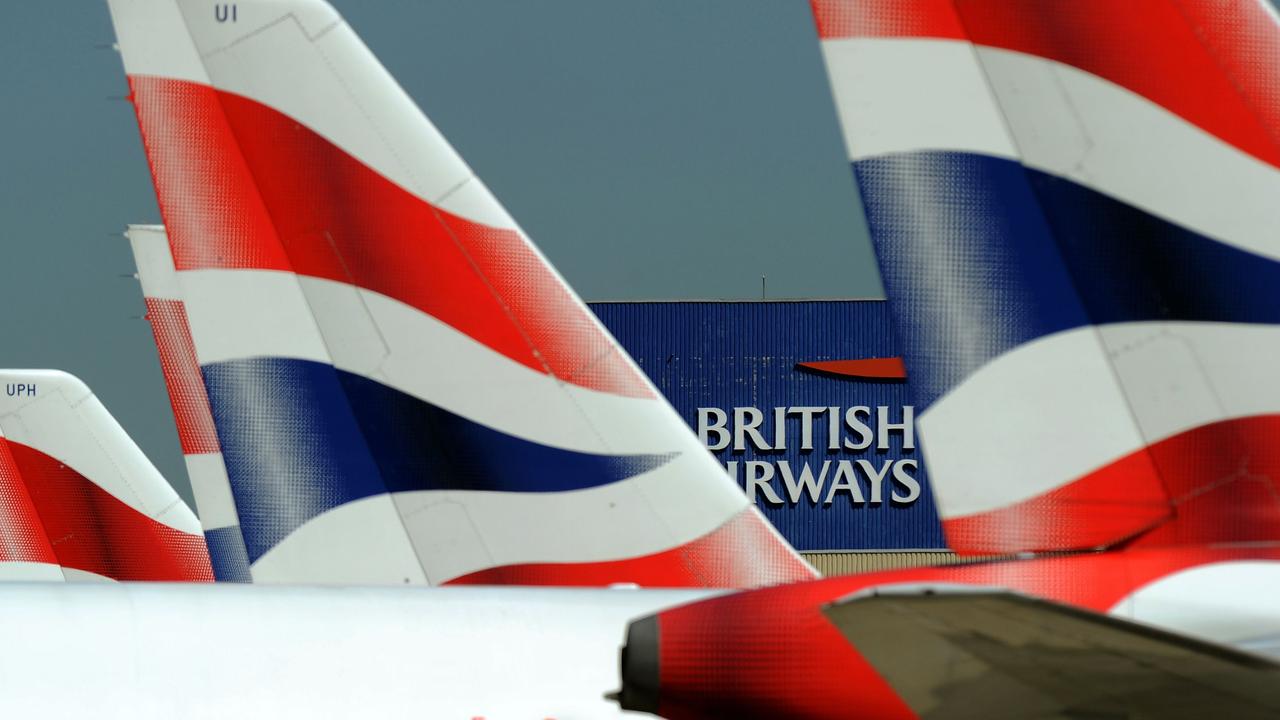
[
  {"x": 301, "y": 60},
  {"x": 212, "y": 491},
  {"x": 359, "y": 543},
  {"x": 84, "y": 576},
  {"x": 896, "y": 95},
  {"x": 1181, "y": 375},
  {"x": 432, "y": 361},
  {"x": 1077, "y": 125},
  {"x": 239, "y": 314},
  {"x": 153, "y": 40},
  {"x": 154, "y": 261},
  {"x": 460, "y": 532},
  {"x": 65, "y": 420},
  {"x": 1062, "y": 120},
  {"x": 254, "y": 313},
  {"x": 1232, "y": 603},
  {"x": 473, "y": 200},
  {"x": 30, "y": 572},
  {"x": 1052, "y": 410},
  {"x": 1029, "y": 421}
]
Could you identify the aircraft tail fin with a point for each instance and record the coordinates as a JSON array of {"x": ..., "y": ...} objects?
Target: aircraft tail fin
[
  {"x": 387, "y": 358},
  {"x": 78, "y": 498},
  {"x": 167, "y": 316},
  {"x": 1073, "y": 208}
]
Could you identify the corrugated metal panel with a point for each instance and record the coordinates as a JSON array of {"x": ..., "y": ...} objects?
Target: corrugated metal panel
[
  {"x": 850, "y": 563},
  {"x": 727, "y": 355}
]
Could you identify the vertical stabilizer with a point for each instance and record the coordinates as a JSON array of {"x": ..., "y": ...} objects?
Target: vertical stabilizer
[
  {"x": 78, "y": 499},
  {"x": 1073, "y": 206},
  {"x": 403, "y": 389},
  {"x": 208, "y": 474}
]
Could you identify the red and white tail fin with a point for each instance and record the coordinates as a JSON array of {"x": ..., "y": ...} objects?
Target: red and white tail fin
[
  {"x": 403, "y": 389},
  {"x": 1073, "y": 203},
  {"x": 78, "y": 499},
  {"x": 205, "y": 468}
]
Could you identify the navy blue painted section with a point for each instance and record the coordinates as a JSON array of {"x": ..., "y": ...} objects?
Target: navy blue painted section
[
  {"x": 227, "y": 554},
  {"x": 1131, "y": 265},
  {"x": 726, "y": 355},
  {"x": 300, "y": 438},
  {"x": 419, "y": 446},
  {"x": 291, "y": 446},
  {"x": 968, "y": 261},
  {"x": 980, "y": 254}
]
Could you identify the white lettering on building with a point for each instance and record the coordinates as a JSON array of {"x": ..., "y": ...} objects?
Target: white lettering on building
[{"x": 824, "y": 436}]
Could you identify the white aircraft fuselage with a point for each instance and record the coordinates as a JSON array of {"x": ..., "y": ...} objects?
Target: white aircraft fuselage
[{"x": 170, "y": 650}]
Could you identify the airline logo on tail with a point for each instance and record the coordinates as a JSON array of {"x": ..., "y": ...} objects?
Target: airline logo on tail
[
  {"x": 403, "y": 389},
  {"x": 1073, "y": 208}
]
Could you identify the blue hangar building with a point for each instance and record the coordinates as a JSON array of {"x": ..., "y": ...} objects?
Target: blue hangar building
[{"x": 805, "y": 403}]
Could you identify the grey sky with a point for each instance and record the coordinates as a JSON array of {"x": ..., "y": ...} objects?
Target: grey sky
[{"x": 655, "y": 149}]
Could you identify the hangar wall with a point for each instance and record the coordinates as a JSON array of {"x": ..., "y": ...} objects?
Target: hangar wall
[{"x": 831, "y": 458}]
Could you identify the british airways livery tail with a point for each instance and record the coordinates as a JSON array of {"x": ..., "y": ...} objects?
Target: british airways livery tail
[
  {"x": 206, "y": 470},
  {"x": 78, "y": 499},
  {"x": 402, "y": 387},
  {"x": 1073, "y": 205}
]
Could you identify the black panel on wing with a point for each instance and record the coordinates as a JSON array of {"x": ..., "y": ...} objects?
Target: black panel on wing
[{"x": 985, "y": 655}]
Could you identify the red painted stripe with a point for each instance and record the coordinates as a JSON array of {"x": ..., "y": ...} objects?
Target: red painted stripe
[
  {"x": 744, "y": 552},
  {"x": 766, "y": 654},
  {"x": 886, "y": 18},
  {"x": 1224, "y": 482},
  {"x": 242, "y": 185},
  {"x": 1215, "y": 485},
  {"x": 22, "y": 536},
  {"x": 182, "y": 378},
  {"x": 1154, "y": 48},
  {"x": 1212, "y": 63},
  {"x": 770, "y": 653},
  {"x": 1244, "y": 40},
  {"x": 211, "y": 209},
  {"x": 1104, "y": 507},
  {"x": 872, "y": 368},
  {"x": 91, "y": 530}
]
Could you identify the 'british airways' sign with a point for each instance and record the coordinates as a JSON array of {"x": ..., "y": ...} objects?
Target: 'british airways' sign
[
  {"x": 825, "y": 447},
  {"x": 835, "y": 432}
]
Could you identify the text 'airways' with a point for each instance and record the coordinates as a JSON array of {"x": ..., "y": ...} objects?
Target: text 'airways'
[{"x": 843, "y": 432}]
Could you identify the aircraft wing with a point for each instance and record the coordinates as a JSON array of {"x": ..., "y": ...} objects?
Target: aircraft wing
[{"x": 991, "y": 654}]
